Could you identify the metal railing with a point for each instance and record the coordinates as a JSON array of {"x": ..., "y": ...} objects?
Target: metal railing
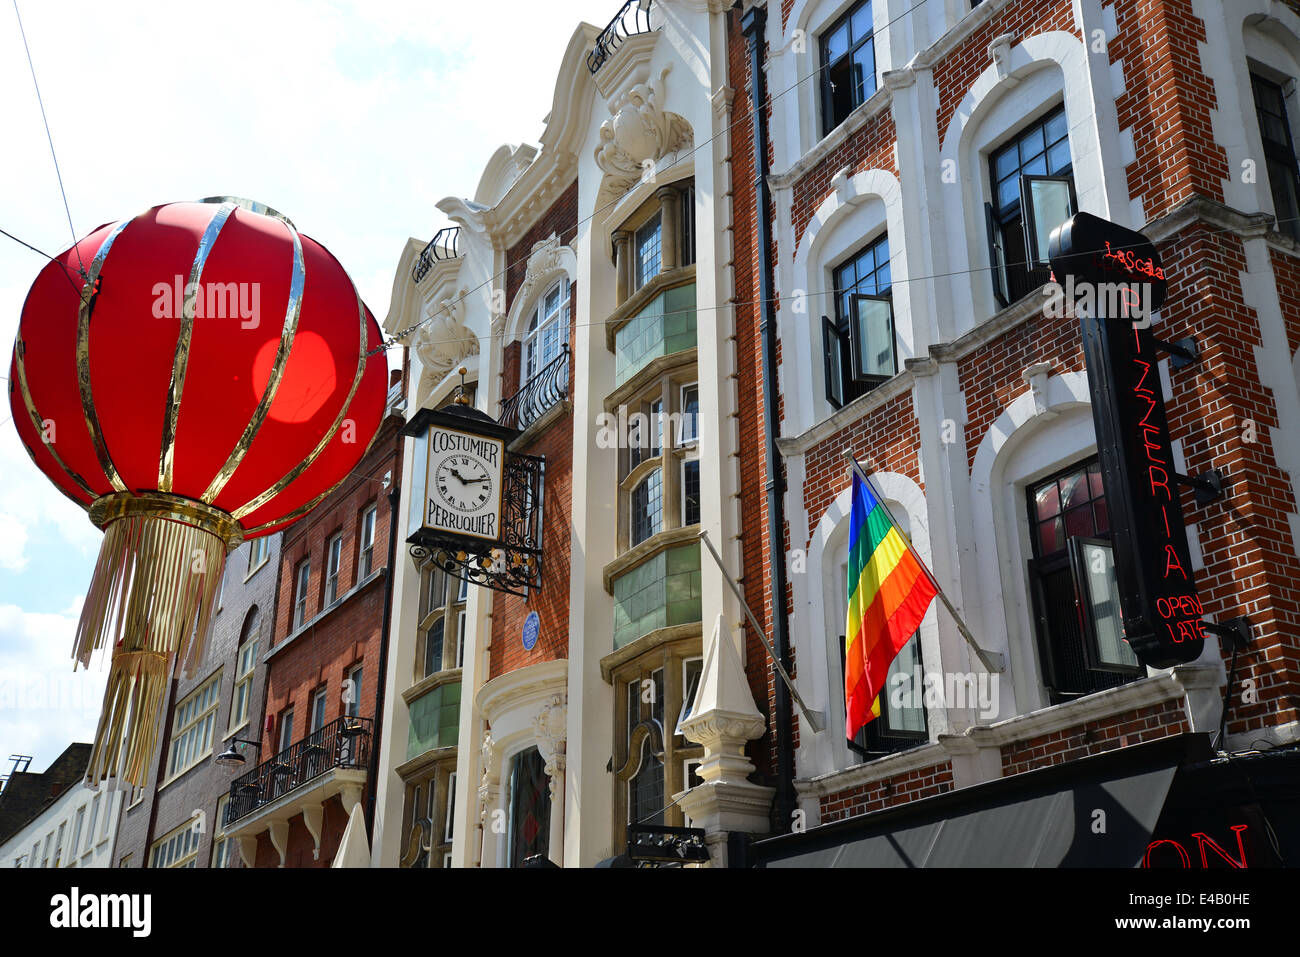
[
  {"x": 632, "y": 19},
  {"x": 344, "y": 743},
  {"x": 545, "y": 389},
  {"x": 444, "y": 245}
]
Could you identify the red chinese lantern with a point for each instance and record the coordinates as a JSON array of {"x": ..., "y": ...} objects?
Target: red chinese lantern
[{"x": 209, "y": 377}]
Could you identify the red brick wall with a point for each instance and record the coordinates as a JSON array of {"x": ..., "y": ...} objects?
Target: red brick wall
[
  {"x": 1167, "y": 102},
  {"x": 1070, "y": 744},
  {"x": 301, "y": 843},
  {"x": 871, "y": 146},
  {"x": 506, "y": 652},
  {"x": 561, "y": 219},
  {"x": 900, "y": 789},
  {"x": 958, "y": 70}
]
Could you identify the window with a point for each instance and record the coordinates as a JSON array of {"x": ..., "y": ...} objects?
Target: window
[
  {"x": 548, "y": 330},
  {"x": 352, "y": 700},
  {"x": 433, "y": 648},
  {"x": 1034, "y": 168},
  {"x": 1072, "y": 579},
  {"x": 689, "y": 422},
  {"x": 366, "y": 564},
  {"x": 529, "y": 818},
  {"x": 1279, "y": 153},
  {"x": 286, "y": 728},
  {"x": 178, "y": 849},
  {"x": 861, "y": 285},
  {"x": 688, "y": 225},
  {"x": 690, "y": 491},
  {"x": 647, "y": 500},
  {"x": 449, "y": 823},
  {"x": 333, "y": 558},
  {"x": 58, "y": 844},
  {"x": 245, "y": 663},
  {"x": 192, "y": 730},
  {"x": 94, "y": 817},
  {"x": 302, "y": 578},
  {"x": 649, "y": 241},
  {"x": 848, "y": 73},
  {"x": 461, "y": 620},
  {"x": 902, "y": 723},
  {"x": 76, "y": 832},
  {"x": 319, "y": 702},
  {"x": 441, "y": 629},
  {"x": 223, "y": 849},
  {"x": 259, "y": 549},
  {"x": 656, "y": 692}
]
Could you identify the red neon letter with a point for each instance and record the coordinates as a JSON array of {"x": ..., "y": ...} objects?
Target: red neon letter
[
  {"x": 1146, "y": 860},
  {"x": 1203, "y": 839}
]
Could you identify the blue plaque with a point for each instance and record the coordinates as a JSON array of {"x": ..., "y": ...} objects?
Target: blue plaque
[{"x": 532, "y": 625}]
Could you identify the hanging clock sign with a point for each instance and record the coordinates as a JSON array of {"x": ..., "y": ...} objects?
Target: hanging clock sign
[{"x": 475, "y": 507}]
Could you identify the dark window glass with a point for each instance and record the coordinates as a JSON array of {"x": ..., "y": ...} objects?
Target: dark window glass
[
  {"x": 433, "y": 648},
  {"x": 647, "y": 499},
  {"x": 848, "y": 65},
  {"x": 1043, "y": 150},
  {"x": 902, "y": 723},
  {"x": 1070, "y": 505},
  {"x": 645, "y": 792},
  {"x": 1279, "y": 154},
  {"x": 688, "y": 226},
  {"x": 530, "y": 807},
  {"x": 691, "y": 492},
  {"x": 865, "y": 273}
]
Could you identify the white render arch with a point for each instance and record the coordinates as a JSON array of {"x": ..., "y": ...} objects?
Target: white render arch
[
  {"x": 853, "y": 213},
  {"x": 1035, "y": 435},
  {"x": 556, "y": 262},
  {"x": 1024, "y": 81},
  {"x": 815, "y": 637}
]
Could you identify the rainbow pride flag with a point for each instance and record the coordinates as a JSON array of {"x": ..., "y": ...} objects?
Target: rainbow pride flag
[{"x": 889, "y": 592}]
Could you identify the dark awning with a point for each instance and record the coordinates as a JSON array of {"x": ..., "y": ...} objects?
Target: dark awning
[{"x": 1093, "y": 812}]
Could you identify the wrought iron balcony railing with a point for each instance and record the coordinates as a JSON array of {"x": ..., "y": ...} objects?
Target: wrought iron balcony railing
[
  {"x": 444, "y": 245},
  {"x": 632, "y": 19},
  {"x": 344, "y": 743},
  {"x": 547, "y": 387}
]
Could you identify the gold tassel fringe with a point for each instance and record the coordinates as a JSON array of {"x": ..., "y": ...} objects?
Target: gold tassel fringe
[{"x": 150, "y": 600}]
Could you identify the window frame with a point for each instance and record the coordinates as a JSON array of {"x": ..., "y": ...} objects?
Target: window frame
[
  {"x": 655, "y": 224},
  {"x": 856, "y": 345},
  {"x": 302, "y": 590},
  {"x": 1275, "y": 151},
  {"x": 653, "y": 516},
  {"x": 259, "y": 553},
  {"x": 207, "y": 717},
  {"x": 333, "y": 569},
  {"x": 830, "y": 121},
  {"x": 534, "y": 354},
  {"x": 181, "y": 846},
  {"x": 366, "y": 542}
]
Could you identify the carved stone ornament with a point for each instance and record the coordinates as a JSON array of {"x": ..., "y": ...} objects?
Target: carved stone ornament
[
  {"x": 544, "y": 259},
  {"x": 550, "y": 727},
  {"x": 638, "y": 134},
  {"x": 445, "y": 341}
]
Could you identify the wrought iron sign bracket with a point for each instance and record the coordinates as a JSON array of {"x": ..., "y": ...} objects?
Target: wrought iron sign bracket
[
  {"x": 1208, "y": 485},
  {"x": 1182, "y": 352},
  {"x": 1236, "y": 632}
]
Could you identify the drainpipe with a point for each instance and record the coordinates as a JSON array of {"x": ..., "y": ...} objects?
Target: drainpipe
[
  {"x": 753, "y": 25},
  {"x": 394, "y": 495}
]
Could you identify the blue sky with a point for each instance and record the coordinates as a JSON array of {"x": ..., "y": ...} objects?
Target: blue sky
[{"x": 351, "y": 119}]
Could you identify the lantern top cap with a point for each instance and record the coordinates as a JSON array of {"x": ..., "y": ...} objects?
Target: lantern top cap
[{"x": 252, "y": 205}]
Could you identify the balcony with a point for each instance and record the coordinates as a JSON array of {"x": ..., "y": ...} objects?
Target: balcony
[
  {"x": 330, "y": 761},
  {"x": 547, "y": 388},
  {"x": 632, "y": 19},
  {"x": 444, "y": 245}
]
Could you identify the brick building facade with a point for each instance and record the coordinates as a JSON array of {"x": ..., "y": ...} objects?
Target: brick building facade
[{"x": 896, "y": 139}]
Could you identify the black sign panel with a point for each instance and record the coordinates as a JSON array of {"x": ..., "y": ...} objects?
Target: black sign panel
[{"x": 1161, "y": 610}]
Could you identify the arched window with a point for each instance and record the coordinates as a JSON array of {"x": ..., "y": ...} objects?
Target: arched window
[{"x": 548, "y": 330}]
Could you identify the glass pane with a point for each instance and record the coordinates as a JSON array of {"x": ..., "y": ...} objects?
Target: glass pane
[
  {"x": 1035, "y": 166},
  {"x": 875, "y": 337},
  {"x": 1058, "y": 157},
  {"x": 1055, "y": 127},
  {"x": 1078, "y": 522},
  {"x": 860, "y": 21},
  {"x": 1050, "y": 537},
  {"x": 1006, "y": 162},
  {"x": 1047, "y": 501},
  {"x": 1101, "y": 516},
  {"x": 530, "y": 807},
  {"x": 905, "y": 695},
  {"x": 1008, "y": 193},
  {"x": 1103, "y": 602},
  {"x": 1031, "y": 145},
  {"x": 836, "y": 43},
  {"x": 1074, "y": 489},
  {"x": 1051, "y": 201},
  {"x": 864, "y": 72},
  {"x": 1094, "y": 481}
]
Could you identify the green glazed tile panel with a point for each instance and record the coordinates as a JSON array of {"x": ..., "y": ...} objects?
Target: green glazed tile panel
[
  {"x": 665, "y": 326},
  {"x": 435, "y": 720},
  {"x": 655, "y": 594}
]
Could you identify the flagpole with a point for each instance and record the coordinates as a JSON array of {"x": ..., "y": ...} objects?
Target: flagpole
[{"x": 990, "y": 660}]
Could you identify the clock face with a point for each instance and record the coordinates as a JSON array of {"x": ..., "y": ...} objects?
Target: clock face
[{"x": 464, "y": 483}]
